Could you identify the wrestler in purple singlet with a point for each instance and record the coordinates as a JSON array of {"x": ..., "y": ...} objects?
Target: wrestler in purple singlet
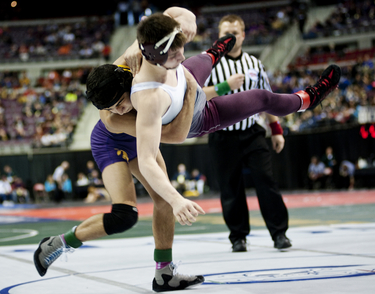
[{"x": 108, "y": 148}]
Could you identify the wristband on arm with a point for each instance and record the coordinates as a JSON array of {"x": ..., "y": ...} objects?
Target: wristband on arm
[
  {"x": 222, "y": 88},
  {"x": 276, "y": 128}
]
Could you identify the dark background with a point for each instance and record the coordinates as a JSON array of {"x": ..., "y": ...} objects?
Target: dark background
[{"x": 41, "y": 9}]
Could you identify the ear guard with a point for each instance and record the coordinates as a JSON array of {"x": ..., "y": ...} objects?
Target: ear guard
[
  {"x": 157, "y": 54},
  {"x": 118, "y": 81}
]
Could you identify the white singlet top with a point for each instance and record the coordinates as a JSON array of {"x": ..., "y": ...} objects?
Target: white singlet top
[{"x": 176, "y": 93}]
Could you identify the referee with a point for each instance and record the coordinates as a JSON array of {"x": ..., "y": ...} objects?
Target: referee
[{"x": 244, "y": 145}]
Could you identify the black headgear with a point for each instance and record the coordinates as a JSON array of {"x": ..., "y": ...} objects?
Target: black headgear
[
  {"x": 157, "y": 53},
  {"x": 118, "y": 81}
]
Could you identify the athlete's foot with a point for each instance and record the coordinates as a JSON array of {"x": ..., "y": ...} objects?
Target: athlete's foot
[
  {"x": 314, "y": 95},
  {"x": 167, "y": 279},
  {"x": 221, "y": 47}
]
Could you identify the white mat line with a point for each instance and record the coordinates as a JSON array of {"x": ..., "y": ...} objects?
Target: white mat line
[
  {"x": 84, "y": 276},
  {"x": 320, "y": 251},
  {"x": 132, "y": 288}
]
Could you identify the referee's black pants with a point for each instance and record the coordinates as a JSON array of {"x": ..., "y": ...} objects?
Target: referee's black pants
[{"x": 231, "y": 151}]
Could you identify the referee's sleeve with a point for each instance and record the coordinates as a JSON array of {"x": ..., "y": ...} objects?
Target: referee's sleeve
[{"x": 264, "y": 82}]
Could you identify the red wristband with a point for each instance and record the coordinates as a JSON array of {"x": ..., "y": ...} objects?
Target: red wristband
[{"x": 276, "y": 128}]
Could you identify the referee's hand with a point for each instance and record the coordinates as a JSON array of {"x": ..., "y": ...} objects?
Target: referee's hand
[
  {"x": 278, "y": 142},
  {"x": 236, "y": 81}
]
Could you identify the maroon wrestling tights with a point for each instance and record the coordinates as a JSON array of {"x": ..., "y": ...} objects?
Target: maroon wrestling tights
[{"x": 224, "y": 111}]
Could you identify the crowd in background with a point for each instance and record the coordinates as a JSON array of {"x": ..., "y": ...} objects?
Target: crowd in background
[
  {"x": 263, "y": 25},
  {"x": 44, "y": 115},
  {"x": 189, "y": 184},
  {"x": 12, "y": 188},
  {"x": 347, "y": 18},
  {"x": 57, "y": 187},
  {"x": 88, "y": 38},
  {"x": 325, "y": 172},
  {"x": 356, "y": 89}
]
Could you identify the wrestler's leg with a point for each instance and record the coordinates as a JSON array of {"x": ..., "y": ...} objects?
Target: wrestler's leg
[
  {"x": 166, "y": 277},
  {"x": 200, "y": 66},
  {"x": 226, "y": 110},
  {"x": 163, "y": 219},
  {"x": 230, "y": 109},
  {"x": 119, "y": 183}
]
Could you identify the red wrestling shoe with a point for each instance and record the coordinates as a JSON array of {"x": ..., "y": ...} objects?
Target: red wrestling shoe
[
  {"x": 221, "y": 47},
  {"x": 314, "y": 95}
]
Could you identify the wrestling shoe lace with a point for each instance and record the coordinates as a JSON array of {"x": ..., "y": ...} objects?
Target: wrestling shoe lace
[{"x": 167, "y": 279}]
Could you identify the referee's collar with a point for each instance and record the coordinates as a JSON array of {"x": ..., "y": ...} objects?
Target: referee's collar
[{"x": 234, "y": 58}]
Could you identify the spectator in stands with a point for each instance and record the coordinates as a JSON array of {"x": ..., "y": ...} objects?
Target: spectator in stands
[
  {"x": 95, "y": 179},
  {"x": 82, "y": 185},
  {"x": 96, "y": 190},
  {"x": 24, "y": 80},
  {"x": 20, "y": 194},
  {"x": 86, "y": 52},
  {"x": 180, "y": 177},
  {"x": 40, "y": 49},
  {"x": 58, "y": 178},
  {"x": 5, "y": 192},
  {"x": 330, "y": 164},
  {"x": 198, "y": 179},
  {"x": 106, "y": 52},
  {"x": 90, "y": 166},
  {"x": 23, "y": 53},
  {"x": 3, "y": 133},
  {"x": 9, "y": 173},
  {"x": 19, "y": 128},
  {"x": 67, "y": 186},
  {"x": 347, "y": 170},
  {"x": 98, "y": 48},
  {"x": 50, "y": 187},
  {"x": 316, "y": 174}
]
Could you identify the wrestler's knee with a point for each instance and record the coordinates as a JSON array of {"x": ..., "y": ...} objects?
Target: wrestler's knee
[{"x": 121, "y": 218}]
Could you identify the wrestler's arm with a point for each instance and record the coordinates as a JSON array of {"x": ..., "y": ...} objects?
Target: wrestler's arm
[
  {"x": 186, "y": 19},
  {"x": 132, "y": 56},
  {"x": 151, "y": 105},
  {"x": 172, "y": 133}
]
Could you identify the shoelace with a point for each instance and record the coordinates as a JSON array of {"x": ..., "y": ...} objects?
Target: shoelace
[
  {"x": 62, "y": 251},
  {"x": 53, "y": 256},
  {"x": 66, "y": 249},
  {"x": 173, "y": 266}
]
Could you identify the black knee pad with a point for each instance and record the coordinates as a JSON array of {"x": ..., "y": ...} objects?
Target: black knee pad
[{"x": 121, "y": 218}]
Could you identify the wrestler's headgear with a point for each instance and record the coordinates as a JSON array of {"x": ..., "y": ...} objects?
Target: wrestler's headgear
[
  {"x": 119, "y": 83},
  {"x": 157, "y": 53}
]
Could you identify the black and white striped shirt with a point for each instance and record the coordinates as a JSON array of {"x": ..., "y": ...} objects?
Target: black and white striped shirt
[{"x": 255, "y": 78}]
